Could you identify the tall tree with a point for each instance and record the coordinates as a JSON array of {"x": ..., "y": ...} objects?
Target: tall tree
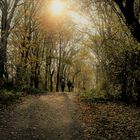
[
  {"x": 7, "y": 8},
  {"x": 127, "y": 7}
]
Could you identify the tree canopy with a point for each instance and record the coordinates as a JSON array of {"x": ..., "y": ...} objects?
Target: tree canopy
[{"x": 92, "y": 43}]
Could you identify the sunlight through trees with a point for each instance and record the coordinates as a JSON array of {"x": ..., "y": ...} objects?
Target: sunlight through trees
[{"x": 92, "y": 43}]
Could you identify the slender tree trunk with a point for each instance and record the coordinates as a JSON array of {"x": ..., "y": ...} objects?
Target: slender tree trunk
[
  {"x": 46, "y": 77},
  {"x": 6, "y": 18},
  {"x": 51, "y": 81},
  {"x": 3, "y": 55},
  {"x": 59, "y": 66},
  {"x": 32, "y": 76},
  {"x": 36, "y": 76},
  {"x": 57, "y": 80}
]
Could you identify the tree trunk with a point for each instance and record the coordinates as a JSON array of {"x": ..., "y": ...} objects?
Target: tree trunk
[
  {"x": 59, "y": 66},
  {"x": 51, "y": 81},
  {"x": 3, "y": 55},
  {"x": 6, "y": 18},
  {"x": 57, "y": 81},
  {"x": 46, "y": 78},
  {"x": 36, "y": 75},
  {"x": 127, "y": 9}
]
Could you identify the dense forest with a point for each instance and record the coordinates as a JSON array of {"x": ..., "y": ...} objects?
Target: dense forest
[
  {"x": 69, "y": 69},
  {"x": 95, "y": 44}
]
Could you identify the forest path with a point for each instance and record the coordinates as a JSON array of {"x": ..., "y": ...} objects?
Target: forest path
[
  {"x": 62, "y": 116},
  {"x": 45, "y": 117}
]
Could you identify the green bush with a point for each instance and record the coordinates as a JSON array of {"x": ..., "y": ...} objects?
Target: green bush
[
  {"x": 32, "y": 91},
  {"x": 93, "y": 95},
  {"x": 7, "y": 97}
]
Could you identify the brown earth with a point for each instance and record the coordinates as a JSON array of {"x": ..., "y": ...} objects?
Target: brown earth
[
  {"x": 61, "y": 116},
  {"x": 46, "y": 117}
]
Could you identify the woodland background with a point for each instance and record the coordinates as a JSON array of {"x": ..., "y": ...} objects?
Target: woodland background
[{"x": 101, "y": 58}]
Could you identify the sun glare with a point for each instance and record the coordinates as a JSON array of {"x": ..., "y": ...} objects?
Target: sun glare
[
  {"x": 57, "y": 7},
  {"x": 78, "y": 18}
]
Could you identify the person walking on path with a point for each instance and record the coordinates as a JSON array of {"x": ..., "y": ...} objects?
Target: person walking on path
[
  {"x": 63, "y": 85},
  {"x": 69, "y": 84}
]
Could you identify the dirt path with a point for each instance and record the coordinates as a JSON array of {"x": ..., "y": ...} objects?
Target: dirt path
[
  {"x": 47, "y": 117},
  {"x": 63, "y": 117}
]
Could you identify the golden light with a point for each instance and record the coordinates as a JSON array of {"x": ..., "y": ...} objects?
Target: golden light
[
  {"x": 78, "y": 18},
  {"x": 57, "y": 7}
]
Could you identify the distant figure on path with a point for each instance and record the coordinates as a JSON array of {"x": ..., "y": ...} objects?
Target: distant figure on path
[
  {"x": 69, "y": 84},
  {"x": 63, "y": 85}
]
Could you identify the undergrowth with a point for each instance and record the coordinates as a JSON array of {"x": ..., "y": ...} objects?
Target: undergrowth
[
  {"x": 95, "y": 95},
  {"x": 7, "y": 96}
]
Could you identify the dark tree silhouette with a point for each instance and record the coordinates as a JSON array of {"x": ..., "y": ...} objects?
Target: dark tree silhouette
[{"x": 127, "y": 8}]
